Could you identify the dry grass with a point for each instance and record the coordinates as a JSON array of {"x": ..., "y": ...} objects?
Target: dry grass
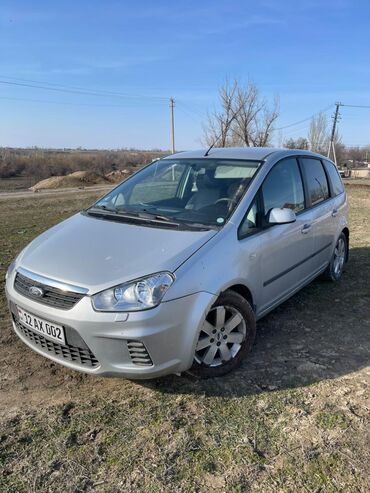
[
  {"x": 17, "y": 183},
  {"x": 43, "y": 163},
  {"x": 294, "y": 418}
]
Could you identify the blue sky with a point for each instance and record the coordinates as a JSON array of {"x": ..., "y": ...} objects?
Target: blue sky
[{"x": 309, "y": 53}]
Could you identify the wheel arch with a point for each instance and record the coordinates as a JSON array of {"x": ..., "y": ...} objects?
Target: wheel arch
[
  {"x": 244, "y": 291},
  {"x": 345, "y": 231}
]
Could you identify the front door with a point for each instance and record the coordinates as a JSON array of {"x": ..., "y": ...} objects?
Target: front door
[{"x": 286, "y": 249}]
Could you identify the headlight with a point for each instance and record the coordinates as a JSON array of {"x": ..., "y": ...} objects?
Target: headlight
[
  {"x": 10, "y": 269},
  {"x": 12, "y": 265},
  {"x": 141, "y": 294}
]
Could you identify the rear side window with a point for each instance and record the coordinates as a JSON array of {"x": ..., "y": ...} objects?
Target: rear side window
[
  {"x": 317, "y": 183},
  {"x": 334, "y": 177},
  {"x": 283, "y": 187}
]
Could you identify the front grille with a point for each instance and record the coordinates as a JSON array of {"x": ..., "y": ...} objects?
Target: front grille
[
  {"x": 139, "y": 353},
  {"x": 52, "y": 296},
  {"x": 80, "y": 355}
]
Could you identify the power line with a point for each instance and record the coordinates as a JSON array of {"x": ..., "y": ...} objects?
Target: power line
[
  {"x": 293, "y": 133},
  {"x": 79, "y": 88},
  {"x": 75, "y": 90},
  {"x": 194, "y": 115},
  {"x": 105, "y": 92},
  {"x": 355, "y": 105},
  {"x": 189, "y": 110},
  {"x": 357, "y": 145},
  {"x": 305, "y": 119},
  {"x": 68, "y": 103}
]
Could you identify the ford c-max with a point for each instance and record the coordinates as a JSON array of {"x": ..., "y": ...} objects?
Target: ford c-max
[{"x": 170, "y": 270}]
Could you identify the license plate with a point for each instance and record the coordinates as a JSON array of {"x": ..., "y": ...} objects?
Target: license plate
[{"x": 48, "y": 329}]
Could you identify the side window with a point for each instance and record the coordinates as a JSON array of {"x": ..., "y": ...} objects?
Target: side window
[
  {"x": 317, "y": 183},
  {"x": 334, "y": 177},
  {"x": 283, "y": 187},
  {"x": 249, "y": 224}
]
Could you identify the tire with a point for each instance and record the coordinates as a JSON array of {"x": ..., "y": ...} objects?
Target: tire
[
  {"x": 339, "y": 257},
  {"x": 214, "y": 356}
]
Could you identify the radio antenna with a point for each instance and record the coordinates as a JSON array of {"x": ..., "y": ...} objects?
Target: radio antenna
[
  {"x": 217, "y": 138},
  {"x": 210, "y": 147}
]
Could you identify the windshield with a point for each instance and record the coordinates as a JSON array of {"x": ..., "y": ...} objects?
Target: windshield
[{"x": 193, "y": 191}]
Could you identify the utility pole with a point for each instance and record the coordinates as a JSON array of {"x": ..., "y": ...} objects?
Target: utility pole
[
  {"x": 335, "y": 117},
  {"x": 172, "y": 105}
]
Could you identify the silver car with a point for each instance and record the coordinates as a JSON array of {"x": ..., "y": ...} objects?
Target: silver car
[{"x": 170, "y": 270}]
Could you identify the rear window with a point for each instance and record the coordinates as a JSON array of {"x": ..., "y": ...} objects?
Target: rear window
[
  {"x": 334, "y": 177},
  {"x": 317, "y": 182}
]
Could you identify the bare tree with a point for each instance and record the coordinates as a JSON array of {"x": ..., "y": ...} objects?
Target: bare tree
[
  {"x": 254, "y": 118},
  {"x": 218, "y": 127},
  {"x": 244, "y": 119},
  {"x": 319, "y": 134},
  {"x": 299, "y": 143}
]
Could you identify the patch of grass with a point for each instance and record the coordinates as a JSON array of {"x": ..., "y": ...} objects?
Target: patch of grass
[
  {"x": 170, "y": 444},
  {"x": 146, "y": 450},
  {"x": 17, "y": 183},
  {"x": 330, "y": 420}
]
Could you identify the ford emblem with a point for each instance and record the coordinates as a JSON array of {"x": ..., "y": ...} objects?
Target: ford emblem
[{"x": 36, "y": 291}]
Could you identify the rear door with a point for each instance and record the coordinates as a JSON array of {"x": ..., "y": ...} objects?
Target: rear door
[
  {"x": 337, "y": 192},
  {"x": 323, "y": 210}
]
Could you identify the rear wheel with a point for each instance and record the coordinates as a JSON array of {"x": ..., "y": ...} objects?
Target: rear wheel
[
  {"x": 225, "y": 338},
  {"x": 335, "y": 268}
]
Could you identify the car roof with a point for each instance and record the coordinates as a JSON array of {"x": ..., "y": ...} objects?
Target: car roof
[{"x": 251, "y": 153}]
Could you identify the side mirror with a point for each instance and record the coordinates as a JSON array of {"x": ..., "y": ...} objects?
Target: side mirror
[{"x": 281, "y": 216}]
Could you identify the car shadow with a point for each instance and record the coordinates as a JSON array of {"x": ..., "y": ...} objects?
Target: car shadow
[{"x": 321, "y": 333}]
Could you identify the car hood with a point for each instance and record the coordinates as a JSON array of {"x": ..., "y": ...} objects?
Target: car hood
[{"x": 98, "y": 253}]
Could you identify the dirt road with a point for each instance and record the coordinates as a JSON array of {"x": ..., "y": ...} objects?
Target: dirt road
[{"x": 26, "y": 194}]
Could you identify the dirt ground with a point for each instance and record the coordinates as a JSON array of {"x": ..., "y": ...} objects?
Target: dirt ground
[{"x": 294, "y": 417}]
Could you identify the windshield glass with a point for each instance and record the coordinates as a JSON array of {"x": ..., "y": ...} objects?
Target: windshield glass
[{"x": 193, "y": 191}]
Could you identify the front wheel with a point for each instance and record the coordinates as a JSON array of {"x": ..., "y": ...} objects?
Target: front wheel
[
  {"x": 335, "y": 268},
  {"x": 225, "y": 338}
]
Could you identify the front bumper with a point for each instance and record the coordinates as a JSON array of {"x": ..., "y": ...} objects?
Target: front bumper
[{"x": 106, "y": 343}]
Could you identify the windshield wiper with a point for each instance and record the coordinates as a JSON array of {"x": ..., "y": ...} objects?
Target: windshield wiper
[
  {"x": 147, "y": 214},
  {"x": 132, "y": 215},
  {"x": 132, "y": 212},
  {"x": 102, "y": 207},
  {"x": 147, "y": 217},
  {"x": 172, "y": 220}
]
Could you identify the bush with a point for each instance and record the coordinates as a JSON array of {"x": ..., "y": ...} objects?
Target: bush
[{"x": 44, "y": 163}]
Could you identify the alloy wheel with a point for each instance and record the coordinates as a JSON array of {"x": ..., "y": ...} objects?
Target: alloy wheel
[
  {"x": 221, "y": 336},
  {"x": 339, "y": 257}
]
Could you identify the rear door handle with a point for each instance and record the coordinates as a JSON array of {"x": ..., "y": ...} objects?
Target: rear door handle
[
  {"x": 335, "y": 212},
  {"x": 305, "y": 229}
]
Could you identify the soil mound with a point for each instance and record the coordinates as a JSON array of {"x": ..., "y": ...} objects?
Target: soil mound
[
  {"x": 117, "y": 176},
  {"x": 76, "y": 179}
]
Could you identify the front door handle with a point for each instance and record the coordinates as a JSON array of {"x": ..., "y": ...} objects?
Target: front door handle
[
  {"x": 305, "y": 229},
  {"x": 335, "y": 212}
]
